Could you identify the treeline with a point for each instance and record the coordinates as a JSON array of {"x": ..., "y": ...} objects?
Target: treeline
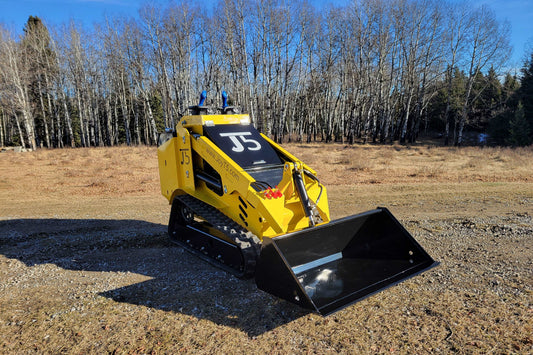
[
  {"x": 501, "y": 111},
  {"x": 373, "y": 70}
]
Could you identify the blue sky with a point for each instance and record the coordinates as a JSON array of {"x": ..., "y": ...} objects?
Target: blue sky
[{"x": 14, "y": 13}]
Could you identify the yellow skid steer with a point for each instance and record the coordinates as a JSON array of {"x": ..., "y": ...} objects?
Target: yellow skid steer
[{"x": 243, "y": 203}]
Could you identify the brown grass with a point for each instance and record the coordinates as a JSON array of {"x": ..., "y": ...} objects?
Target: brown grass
[
  {"x": 84, "y": 172},
  {"x": 347, "y": 165},
  {"x": 125, "y": 289},
  {"x": 133, "y": 170}
]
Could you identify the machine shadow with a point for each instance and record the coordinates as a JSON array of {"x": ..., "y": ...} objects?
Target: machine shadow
[{"x": 179, "y": 282}]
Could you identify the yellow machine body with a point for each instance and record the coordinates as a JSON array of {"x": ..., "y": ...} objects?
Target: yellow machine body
[{"x": 265, "y": 215}]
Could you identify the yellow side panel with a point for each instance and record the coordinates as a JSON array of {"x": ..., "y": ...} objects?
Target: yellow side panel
[
  {"x": 234, "y": 178},
  {"x": 168, "y": 173},
  {"x": 184, "y": 163},
  {"x": 175, "y": 160}
]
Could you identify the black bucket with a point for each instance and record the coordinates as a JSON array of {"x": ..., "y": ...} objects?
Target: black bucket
[{"x": 329, "y": 267}]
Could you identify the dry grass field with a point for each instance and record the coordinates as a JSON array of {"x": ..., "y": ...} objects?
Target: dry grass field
[{"x": 85, "y": 265}]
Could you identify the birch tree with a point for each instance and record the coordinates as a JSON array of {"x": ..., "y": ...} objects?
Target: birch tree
[{"x": 14, "y": 69}]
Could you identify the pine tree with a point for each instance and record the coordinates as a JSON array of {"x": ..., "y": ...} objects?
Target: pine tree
[
  {"x": 514, "y": 123},
  {"x": 39, "y": 61},
  {"x": 525, "y": 94},
  {"x": 509, "y": 88},
  {"x": 519, "y": 128}
]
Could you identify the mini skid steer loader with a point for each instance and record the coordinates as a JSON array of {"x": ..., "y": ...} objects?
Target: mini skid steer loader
[{"x": 245, "y": 204}]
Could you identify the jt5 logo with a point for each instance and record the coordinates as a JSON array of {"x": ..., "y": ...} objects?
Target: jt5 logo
[{"x": 240, "y": 142}]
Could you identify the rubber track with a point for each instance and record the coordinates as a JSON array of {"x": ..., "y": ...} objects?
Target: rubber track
[{"x": 248, "y": 243}]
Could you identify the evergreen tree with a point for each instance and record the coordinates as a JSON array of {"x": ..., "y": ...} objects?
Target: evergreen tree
[
  {"x": 525, "y": 95},
  {"x": 491, "y": 101},
  {"x": 40, "y": 62},
  {"x": 492, "y": 95},
  {"x": 157, "y": 109},
  {"x": 505, "y": 128},
  {"x": 499, "y": 127},
  {"x": 481, "y": 100},
  {"x": 519, "y": 128},
  {"x": 509, "y": 88}
]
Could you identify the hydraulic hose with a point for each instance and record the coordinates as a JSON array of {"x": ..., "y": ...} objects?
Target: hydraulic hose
[
  {"x": 304, "y": 198},
  {"x": 310, "y": 174}
]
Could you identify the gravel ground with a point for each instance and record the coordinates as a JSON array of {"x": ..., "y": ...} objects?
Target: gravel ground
[
  {"x": 65, "y": 281},
  {"x": 86, "y": 266}
]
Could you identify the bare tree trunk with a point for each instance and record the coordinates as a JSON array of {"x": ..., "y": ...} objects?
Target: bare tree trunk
[
  {"x": 125, "y": 112},
  {"x": 115, "y": 130},
  {"x": 68, "y": 120},
  {"x": 19, "y": 130},
  {"x": 447, "y": 117},
  {"x": 108, "y": 122},
  {"x": 2, "y": 128},
  {"x": 459, "y": 140},
  {"x": 53, "y": 105},
  {"x": 151, "y": 120},
  {"x": 84, "y": 142},
  {"x": 28, "y": 120},
  {"x": 43, "y": 110},
  {"x": 136, "y": 122}
]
